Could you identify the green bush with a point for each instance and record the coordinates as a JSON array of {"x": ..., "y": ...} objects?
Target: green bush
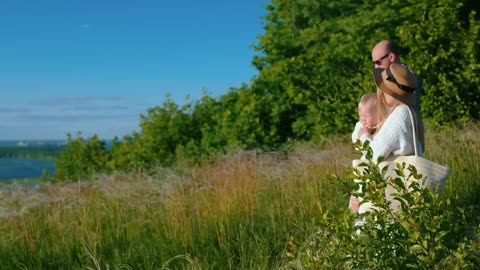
[
  {"x": 82, "y": 158},
  {"x": 420, "y": 235}
]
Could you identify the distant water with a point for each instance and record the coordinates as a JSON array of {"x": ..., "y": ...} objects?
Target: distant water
[{"x": 21, "y": 168}]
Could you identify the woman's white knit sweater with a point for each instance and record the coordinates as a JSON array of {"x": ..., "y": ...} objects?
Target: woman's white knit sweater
[{"x": 395, "y": 136}]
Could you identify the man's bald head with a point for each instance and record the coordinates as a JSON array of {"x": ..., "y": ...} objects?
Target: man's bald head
[{"x": 385, "y": 53}]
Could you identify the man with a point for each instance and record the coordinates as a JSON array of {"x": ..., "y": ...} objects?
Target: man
[{"x": 384, "y": 54}]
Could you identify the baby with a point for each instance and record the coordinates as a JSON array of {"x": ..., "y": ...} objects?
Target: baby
[{"x": 367, "y": 112}]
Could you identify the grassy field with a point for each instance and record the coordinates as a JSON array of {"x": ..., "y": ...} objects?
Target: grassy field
[{"x": 249, "y": 210}]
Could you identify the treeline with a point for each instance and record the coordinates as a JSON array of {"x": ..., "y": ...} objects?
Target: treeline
[{"x": 314, "y": 63}]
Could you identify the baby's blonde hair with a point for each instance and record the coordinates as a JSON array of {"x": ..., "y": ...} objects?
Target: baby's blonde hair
[{"x": 368, "y": 99}]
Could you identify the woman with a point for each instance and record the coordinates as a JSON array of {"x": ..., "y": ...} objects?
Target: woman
[{"x": 395, "y": 97}]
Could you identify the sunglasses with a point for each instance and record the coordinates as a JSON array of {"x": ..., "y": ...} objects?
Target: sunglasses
[
  {"x": 392, "y": 79},
  {"x": 379, "y": 61}
]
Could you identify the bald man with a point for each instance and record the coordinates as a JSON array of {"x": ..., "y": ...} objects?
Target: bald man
[{"x": 385, "y": 53}]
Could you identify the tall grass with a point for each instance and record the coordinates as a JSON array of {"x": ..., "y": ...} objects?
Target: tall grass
[
  {"x": 248, "y": 210},
  {"x": 459, "y": 147}
]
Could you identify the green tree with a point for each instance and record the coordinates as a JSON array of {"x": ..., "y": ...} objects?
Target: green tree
[
  {"x": 163, "y": 129},
  {"x": 127, "y": 154},
  {"x": 314, "y": 64},
  {"x": 447, "y": 54},
  {"x": 82, "y": 158},
  {"x": 316, "y": 55}
]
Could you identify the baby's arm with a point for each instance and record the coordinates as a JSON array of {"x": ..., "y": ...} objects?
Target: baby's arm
[{"x": 356, "y": 131}]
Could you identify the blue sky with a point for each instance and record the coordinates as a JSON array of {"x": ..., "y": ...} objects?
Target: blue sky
[{"x": 95, "y": 66}]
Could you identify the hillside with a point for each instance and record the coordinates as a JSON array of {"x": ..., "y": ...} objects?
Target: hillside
[{"x": 251, "y": 209}]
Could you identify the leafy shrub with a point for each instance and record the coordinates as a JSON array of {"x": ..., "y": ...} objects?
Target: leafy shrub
[
  {"x": 82, "y": 158},
  {"x": 419, "y": 235}
]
